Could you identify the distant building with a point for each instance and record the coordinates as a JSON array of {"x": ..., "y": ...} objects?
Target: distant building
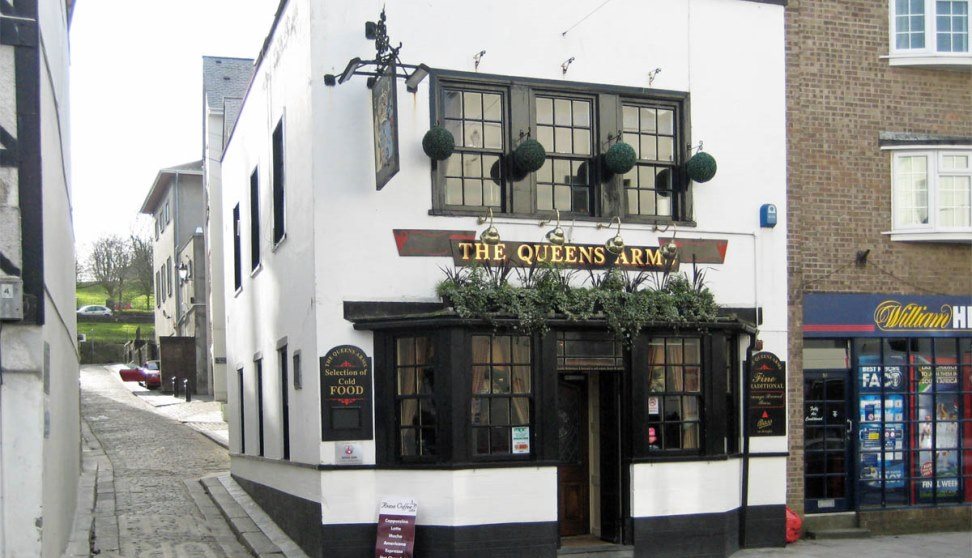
[
  {"x": 879, "y": 99},
  {"x": 224, "y": 84},
  {"x": 352, "y": 380},
  {"x": 175, "y": 202},
  {"x": 39, "y": 399}
]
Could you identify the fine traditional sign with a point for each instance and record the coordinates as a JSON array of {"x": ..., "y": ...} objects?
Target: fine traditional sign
[
  {"x": 767, "y": 396},
  {"x": 384, "y": 105},
  {"x": 396, "y": 527},
  {"x": 346, "y": 394},
  {"x": 583, "y": 256}
]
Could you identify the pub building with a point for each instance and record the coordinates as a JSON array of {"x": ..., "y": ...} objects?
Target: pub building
[
  {"x": 371, "y": 162},
  {"x": 888, "y": 407}
]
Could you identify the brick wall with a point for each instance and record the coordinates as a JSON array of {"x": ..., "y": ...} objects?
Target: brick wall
[{"x": 840, "y": 95}]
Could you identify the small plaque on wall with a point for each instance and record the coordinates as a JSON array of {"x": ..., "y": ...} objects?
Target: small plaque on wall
[
  {"x": 767, "y": 396},
  {"x": 346, "y": 399}
]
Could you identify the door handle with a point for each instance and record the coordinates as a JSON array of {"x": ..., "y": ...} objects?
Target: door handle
[{"x": 850, "y": 428}]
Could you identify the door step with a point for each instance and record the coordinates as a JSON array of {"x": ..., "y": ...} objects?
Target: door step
[
  {"x": 830, "y": 521},
  {"x": 606, "y": 551},
  {"x": 848, "y": 533}
]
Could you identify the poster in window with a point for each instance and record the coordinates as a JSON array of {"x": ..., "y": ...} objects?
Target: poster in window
[
  {"x": 521, "y": 439},
  {"x": 384, "y": 105}
]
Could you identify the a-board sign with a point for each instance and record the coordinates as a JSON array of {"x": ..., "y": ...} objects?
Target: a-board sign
[
  {"x": 767, "y": 396},
  {"x": 396, "y": 527},
  {"x": 346, "y": 395}
]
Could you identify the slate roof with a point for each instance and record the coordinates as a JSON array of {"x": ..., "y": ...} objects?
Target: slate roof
[{"x": 225, "y": 77}]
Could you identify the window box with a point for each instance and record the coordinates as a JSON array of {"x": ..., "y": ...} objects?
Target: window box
[
  {"x": 930, "y": 33},
  {"x": 931, "y": 194}
]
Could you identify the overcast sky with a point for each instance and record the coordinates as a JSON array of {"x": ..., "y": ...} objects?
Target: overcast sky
[{"x": 136, "y": 95}]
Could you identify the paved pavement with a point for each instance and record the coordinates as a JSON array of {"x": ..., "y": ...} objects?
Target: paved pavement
[
  {"x": 148, "y": 503},
  {"x": 931, "y": 545}
]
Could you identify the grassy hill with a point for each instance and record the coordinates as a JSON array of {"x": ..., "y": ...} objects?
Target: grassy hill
[
  {"x": 113, "y": 332},
  {"x": 92, "y": 293}
]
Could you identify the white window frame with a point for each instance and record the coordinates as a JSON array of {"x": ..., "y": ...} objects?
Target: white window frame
[
  {"x": 930, "y": 231},
  {"x": 928, "y": 56}
]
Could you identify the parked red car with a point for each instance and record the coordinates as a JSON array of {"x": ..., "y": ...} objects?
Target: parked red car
[
  {"x": 151, "y": 375},
  {"x": 148, "y": 375}
]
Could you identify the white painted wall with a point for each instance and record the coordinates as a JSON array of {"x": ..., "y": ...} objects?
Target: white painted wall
[
  {"x": 680, "y": 488},
  {"x": 450, "y": 498},
  {"x": 339, "y": 242},
  {"x": 212, "y": 179},
  {"x": 39, "y": 405}
]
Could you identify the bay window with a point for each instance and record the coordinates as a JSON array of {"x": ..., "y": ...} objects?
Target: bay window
[
  {"x": 929, "y": 32},
  {"x": 932, "y": 195}
]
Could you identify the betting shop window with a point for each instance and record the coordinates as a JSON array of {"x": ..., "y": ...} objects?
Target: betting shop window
[
  {"x": 414, "y": 404},
  {"x": 502, "y": 394},
  {"x": 674, "y": 394},
  {"x": 915, "y": 421},
  {"x": 576, "y": 124}
]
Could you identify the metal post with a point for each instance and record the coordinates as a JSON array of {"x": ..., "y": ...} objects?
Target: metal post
[
  {"x": 185, "y": 386},
  {"x": 175, "y": 386}
]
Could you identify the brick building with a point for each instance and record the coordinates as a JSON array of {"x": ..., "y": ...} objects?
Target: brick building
[{"x": 879, "y": 108}]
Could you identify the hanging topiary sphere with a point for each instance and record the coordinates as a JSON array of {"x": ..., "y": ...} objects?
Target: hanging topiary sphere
[
  {"x": 620, "y": 158},
  {"x": 438, "y": 143},
  {"x": 529, "y": 156},
  {"x": 701, "y": 167}
]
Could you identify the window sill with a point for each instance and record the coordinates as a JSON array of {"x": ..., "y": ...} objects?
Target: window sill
[
  {"x": 278, "y": 243},
  {"x": 256, "y": 270},
  {"x": 947, "y": 237},
  {"x": 945, "y": 61}
]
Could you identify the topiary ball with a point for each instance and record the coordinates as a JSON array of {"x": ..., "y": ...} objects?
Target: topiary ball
[
  {"x": 529, "y": 156},
  {"x": 620, "y": 158},
  {"x": 701, "y": 167},
  {"x": 438, "y": 143}
]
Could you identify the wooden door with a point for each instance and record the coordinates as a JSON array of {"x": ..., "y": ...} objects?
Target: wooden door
[{"x": 573, "y": 488}]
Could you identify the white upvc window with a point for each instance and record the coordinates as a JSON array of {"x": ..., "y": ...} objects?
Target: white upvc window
[
  {"x": 929, "y": 32},
  {"x": 932, "y": 194}
]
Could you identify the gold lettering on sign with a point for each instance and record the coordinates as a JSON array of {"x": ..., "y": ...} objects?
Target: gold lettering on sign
[
  {"x": 891, "y": 315},
  {"x": 527, "y": 254}
]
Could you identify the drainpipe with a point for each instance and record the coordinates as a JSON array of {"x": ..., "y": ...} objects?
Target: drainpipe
[
  {"x": 744, "y": 504},
  {"x": 175, "y": 250}
]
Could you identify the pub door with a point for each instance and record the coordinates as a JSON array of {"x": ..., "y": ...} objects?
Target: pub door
[
  {"x": 573, "y": 488},
  {"x": 590, "y": 475},
  {"x": 828, "y": 432}
]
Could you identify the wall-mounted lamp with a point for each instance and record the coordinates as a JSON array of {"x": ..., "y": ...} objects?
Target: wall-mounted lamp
[
  {"x": 566, "y": 64},
  {"x": 489, "y": 235},
  {"x": 184, "y": 272},
  {"x": 669, "y": 251},
  {"x": 555, "y": 235},
  {"x": 418, "y": 74},
  {"x": 478, "y": 58},
  {"x": 615, "y": 244},
  {"x": 861, "y": 257}
]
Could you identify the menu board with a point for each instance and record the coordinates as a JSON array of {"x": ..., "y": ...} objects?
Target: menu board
[
  {"x": 767, "y": 396},
  {"x": 396, "y": 527}
]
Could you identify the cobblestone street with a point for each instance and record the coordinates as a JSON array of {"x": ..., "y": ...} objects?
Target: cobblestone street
[{"x": 148, "y": 501}]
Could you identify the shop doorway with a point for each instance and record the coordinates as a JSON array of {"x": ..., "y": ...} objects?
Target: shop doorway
[
  {"x": 589, "y": 477},
  {"x": 828, "y": 441}
]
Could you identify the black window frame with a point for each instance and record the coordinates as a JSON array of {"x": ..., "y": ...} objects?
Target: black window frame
[
  {"x": 237, "y": 250},
  {"x": 284, "y": 401},
  {"x": 278, "y": 184},
  {"x": 255, "y": 219},
  {"x": 519, "y": 192}
]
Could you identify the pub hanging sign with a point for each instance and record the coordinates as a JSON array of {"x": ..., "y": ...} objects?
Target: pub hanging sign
[
  {"x": 346, "y": 400},
  {"x": 767, "y": 396}
]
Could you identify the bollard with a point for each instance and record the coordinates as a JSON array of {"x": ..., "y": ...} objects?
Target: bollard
[
  {"x": 185, "y": 386},
  {"x": 175, "y": 386}
]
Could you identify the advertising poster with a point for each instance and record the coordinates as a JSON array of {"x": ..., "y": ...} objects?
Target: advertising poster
[
  {"x": 396, "y": 527},
  {"x": 938, "y": 411},
  {"x": 521, "y": 439}
]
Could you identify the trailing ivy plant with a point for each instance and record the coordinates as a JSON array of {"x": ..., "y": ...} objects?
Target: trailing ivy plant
[{"x": 627, "y": 302}]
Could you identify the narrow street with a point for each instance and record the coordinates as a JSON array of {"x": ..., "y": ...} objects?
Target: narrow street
[{"x": 148, "y": 501}]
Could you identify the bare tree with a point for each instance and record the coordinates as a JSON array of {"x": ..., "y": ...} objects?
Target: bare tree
[
  {"x": 141, "y": 273},
  {"x": 109, "y": 265}
]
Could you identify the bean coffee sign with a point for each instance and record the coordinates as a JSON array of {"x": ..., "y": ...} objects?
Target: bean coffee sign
[
  {"x": 767, "y": 396},
  {"x": 396, "y": 527},
  {"x": 346, "y": 394}
]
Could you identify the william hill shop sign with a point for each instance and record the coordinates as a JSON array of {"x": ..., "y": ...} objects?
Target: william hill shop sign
[{"x": 869, "y": 315}]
